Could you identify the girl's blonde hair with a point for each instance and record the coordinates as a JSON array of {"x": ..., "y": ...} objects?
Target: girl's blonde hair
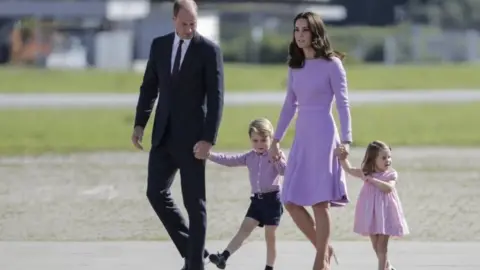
[
  {"x": 371, "y": 154},
  {"x": 261, "y": 126}
]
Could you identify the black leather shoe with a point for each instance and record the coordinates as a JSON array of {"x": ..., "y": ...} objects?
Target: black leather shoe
[
  {"x": 205, "y": 256},
  {"x": 218, "y": 260}
]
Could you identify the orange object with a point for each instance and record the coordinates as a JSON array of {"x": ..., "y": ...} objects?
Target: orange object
[{"x": 26, "y": 46}]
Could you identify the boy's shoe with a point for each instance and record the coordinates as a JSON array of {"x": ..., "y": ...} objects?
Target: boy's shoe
[{"x": 218, "y": 260}]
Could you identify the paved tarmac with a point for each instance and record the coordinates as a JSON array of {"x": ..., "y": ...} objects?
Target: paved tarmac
[
  {"x": 291, "y": 256},
  {"x": 89, "y": 100}
]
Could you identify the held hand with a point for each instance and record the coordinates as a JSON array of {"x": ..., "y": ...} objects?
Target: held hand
[
  {"x": 137, "y": 137},
  {"x": 274, "y": 152},
  {"x": 201, "y": 150},
  {"x": 341, "y": 152},
  {"x": 338, "y": 151},
  {"x": 346, "y": 146},
  {"x": 281, "y": 157}
]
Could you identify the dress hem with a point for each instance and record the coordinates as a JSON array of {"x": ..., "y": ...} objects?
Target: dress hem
[
  {"x": 398, "y": 234},
  {"x": 333, "y": 203}
]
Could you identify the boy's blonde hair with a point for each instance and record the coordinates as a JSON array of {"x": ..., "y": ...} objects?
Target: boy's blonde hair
[{"x": 261, "y": 126}]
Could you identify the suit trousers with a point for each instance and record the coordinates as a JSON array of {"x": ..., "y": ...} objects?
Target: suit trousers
[{"x": 165, "y": 160}]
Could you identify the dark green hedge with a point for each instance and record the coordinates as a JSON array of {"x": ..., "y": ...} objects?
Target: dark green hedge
[{"x": 361, "y": 45}]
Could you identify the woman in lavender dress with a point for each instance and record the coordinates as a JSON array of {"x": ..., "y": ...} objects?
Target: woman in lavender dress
[{"x": 313, "y": 176}]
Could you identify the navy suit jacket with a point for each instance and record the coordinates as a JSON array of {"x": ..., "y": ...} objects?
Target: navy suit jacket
[{"x": 190, "y": 104}]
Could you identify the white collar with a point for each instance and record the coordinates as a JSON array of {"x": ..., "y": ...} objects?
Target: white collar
[{"x": 176, "y": 40}]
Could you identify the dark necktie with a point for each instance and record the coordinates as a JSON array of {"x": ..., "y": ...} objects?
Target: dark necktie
[{"x": 178, "y": 56}]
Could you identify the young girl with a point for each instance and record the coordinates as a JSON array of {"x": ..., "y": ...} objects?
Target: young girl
[
  {"x": 378, "y": 212},
  {"x": 265, "y": 207}
]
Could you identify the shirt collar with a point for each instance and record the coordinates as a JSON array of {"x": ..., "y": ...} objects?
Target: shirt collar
[
  {"x": 261, "y": 154},
  {"x": 176, "y": 40}
]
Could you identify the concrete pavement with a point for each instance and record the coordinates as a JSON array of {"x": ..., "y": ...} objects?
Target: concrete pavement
[{"x": 291, "y": 256}]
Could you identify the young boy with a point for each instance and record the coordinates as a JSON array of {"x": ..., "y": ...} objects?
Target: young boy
[{"x": 265, "y": 208}]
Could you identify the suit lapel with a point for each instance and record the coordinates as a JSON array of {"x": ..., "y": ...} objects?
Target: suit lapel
[
  {"x": 189, "y": 55},
  {"x": 169, "y": 49}
]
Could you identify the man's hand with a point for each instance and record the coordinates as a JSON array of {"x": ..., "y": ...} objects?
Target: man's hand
[
  {"x": 202, "y": 149},
  {"x": 137, "y": 137}
]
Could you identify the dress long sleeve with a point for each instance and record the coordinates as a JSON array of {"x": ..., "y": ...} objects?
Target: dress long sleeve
[
  {"x": 288, "y": 110},
  {"x": 338, "y": 83}
]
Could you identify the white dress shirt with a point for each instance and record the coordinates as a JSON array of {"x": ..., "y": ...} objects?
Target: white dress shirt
[{"x": 176, "y": 41}]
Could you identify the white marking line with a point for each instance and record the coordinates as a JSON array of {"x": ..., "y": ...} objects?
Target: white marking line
[{"x": 103, "y": 191}]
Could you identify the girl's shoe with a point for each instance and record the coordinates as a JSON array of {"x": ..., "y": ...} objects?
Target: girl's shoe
[
  {"x": 331, "y": 252},
  {"x": 390, "y": 267},
  {"x": 218, "y": 260}
]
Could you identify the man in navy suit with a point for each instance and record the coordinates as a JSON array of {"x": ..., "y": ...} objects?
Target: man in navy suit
[{"x": 185, "y": 72}]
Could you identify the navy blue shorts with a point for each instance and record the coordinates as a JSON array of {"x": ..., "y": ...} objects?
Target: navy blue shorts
[{"x": 266, "y": 208}]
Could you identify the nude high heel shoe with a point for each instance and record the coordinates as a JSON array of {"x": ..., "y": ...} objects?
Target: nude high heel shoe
[{"x": 331, "y": 253}]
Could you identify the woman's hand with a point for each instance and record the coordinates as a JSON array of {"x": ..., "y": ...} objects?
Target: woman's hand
[
  {"x": 341, "y": 152},
  {"x": 281, "y": 157},
  {"x": 346, "y": 146},
  {"x": 274, "y": 152}
]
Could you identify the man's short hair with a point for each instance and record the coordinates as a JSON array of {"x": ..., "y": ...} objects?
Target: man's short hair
[{"x": 179, "y": 4}]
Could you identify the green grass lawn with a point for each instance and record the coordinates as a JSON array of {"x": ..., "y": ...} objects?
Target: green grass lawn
[
  {"x": 241, "y": 77},
  {"x": 61, "y": 131}
]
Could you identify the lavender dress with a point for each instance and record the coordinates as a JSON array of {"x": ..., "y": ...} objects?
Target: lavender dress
[{"x": 313, "y": 173}]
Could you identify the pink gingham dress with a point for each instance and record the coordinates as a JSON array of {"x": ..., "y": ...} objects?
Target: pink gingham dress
[{"x": 377, "y": 212}]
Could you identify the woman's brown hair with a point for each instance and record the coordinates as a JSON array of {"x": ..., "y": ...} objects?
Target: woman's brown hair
[
  {"x": 320, "y": 41},
  {"x": 371, "y": 154}
]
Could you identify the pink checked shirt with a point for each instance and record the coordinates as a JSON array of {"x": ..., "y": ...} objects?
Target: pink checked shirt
[{"x": 265, "y": 176}]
